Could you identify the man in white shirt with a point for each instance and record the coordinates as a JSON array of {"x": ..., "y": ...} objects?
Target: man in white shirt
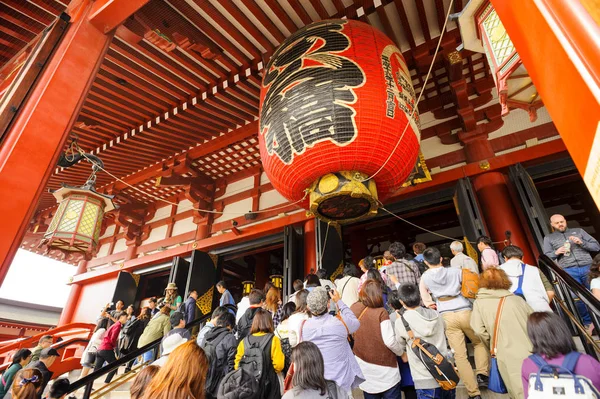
[
  {"x": 526, "y": 280},
  {"x": 460, "y": 260}
]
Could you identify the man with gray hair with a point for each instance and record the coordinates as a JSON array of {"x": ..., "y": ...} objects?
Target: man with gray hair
[{"x": 460, "y": 260}]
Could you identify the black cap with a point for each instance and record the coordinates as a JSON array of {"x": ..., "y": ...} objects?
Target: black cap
[
  {"x": 176, "y": 317},
  {"x": 48, "y": 352}
]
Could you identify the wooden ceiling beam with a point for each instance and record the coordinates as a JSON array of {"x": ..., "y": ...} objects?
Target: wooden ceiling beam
[
  {"x": 31, "y": 11},
  {"x": 25, "y": 22},
  {"x": 441, "y": 14},
  {"x": 16, "y": 31},
  {"x": 228, "y": 27},
  {"x": 233, "y": 108},
  {"x": 200, "y": 121},
  {"x": 132, "y": 72},
  {"x": 109, "y": 75},
  {"x": 131, "y": 108},
  {"x": 49, "y": 7},
  {"x": 166, "y": 73},
  {"x": 282, "y": 15},
  {"x": 235, "y": 55},
  {"x": 423, "y": 19},
  {"x": 404, "y": 23},
  {"x": 300, "y": 11},
  {"x": 105, "y": 89},
  {"x": 195, "y": 153},
  {"x": 387, "y": 26},
  {"x": 264, "y": 19},
  {"x": 235, "y": 98},
  {"x": 215, "y": 70},
  {"x": 318, "y": 6},
  {"x": 206, "y": 110},
  {"x": 245, "y": 23},
  {"x": 208, "y": 114},
  {"x": 208, "y": 131},
  {"x": 181, "y": 65}
]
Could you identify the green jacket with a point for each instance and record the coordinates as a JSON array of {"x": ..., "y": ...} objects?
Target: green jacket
[
  {"x": 7, "y": 378},
  {"x": 513, "y": 344},
  {"x": 156, "y": 328},
  {"x": 35, "y": 353}
]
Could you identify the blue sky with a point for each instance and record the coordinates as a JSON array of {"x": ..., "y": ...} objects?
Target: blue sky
[{"x": 37, "y": 279}]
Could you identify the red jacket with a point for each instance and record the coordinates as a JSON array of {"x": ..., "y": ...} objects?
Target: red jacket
[{"x": 109, "y": 342}]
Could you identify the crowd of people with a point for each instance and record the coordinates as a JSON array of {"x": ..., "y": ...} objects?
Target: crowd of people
[{"x": 393, "y": 331}]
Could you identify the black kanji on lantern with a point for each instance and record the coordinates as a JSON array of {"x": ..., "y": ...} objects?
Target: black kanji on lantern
[{"x": 310, "y": 91}]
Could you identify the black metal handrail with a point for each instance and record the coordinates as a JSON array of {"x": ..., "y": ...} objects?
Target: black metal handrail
[
  {"x": 88, "y": 380},
  {"x": 568, "y": 290}
]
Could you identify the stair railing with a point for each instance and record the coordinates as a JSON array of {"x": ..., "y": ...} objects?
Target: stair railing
[
  {"x": 87, "y": 382},
  {"x": 568, "y": 293}
]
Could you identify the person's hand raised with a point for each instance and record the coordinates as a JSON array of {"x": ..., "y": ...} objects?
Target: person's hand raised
[{"x": 334, "y": 295}]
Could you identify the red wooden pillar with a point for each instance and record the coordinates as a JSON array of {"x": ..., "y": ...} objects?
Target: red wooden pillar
[
  {"x": 310, "y": 247},
  {"x": 261, "y": 271},
  {"x": 67, "y": 314},
  {"x": 499, "y": 212},
  {"x": 31, "y": 149}
]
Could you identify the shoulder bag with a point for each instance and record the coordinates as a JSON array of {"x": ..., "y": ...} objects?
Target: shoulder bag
[{"x": 496, "y": 384}]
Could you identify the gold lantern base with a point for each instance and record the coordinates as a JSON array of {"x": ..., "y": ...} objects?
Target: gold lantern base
[{"x": 343, "y": 197}]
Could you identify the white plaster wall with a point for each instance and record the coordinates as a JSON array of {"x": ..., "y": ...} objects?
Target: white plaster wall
[
  {"x": 270, "y": 198},
  {"x": 184, "y": 205},
  {"x": 238, "y": 187},
  {"x": 235, "y": 209},
  {"x": 110, "y": 230},
  {"x": 103, "y": 251},
  {"x": 264, "y": 179},
  {"x": 120, "y": 246},
  {"x": 156, "y": 234},
  {"x": 433, "y": 147},
  {"x": 518, "y": 120},
  {"x": 161, "y": 213},
  {"x": 183, "y": 226}
]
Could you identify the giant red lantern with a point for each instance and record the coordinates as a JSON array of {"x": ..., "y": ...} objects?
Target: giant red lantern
[{"x": 336, "y": 98}]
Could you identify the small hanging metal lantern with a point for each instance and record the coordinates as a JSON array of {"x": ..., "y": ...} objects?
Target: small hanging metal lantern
[
  {"x": 277, "y": 280},
  {"x": 76, "y": 224},
  {"x": 247, "y": 286}
]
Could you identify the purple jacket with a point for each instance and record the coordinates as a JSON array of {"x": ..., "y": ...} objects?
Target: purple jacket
[
  {"x": 330, "y": 335},
  {"x": 586, "y": 366}
]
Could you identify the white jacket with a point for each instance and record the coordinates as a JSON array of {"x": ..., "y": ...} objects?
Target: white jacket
[{"x": 533, "y": 288}]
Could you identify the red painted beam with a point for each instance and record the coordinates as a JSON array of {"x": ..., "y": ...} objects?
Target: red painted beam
[
  {"x": 106, "y": 15},
  {"x": 564, "y": 32},
  {"x": 31, "y": 149},
  {"x": 250, "y": 232}
]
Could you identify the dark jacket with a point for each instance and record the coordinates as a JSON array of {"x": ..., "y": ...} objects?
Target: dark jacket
[
  {"x": 580, "y": 254},
  {"x": 130, "y": 334},
  {"x": 46, "y": 374},
  {"x": 245, "y": 323},
  {"x": 190, "y": 310},
  {"x": 226, "y": 348}
]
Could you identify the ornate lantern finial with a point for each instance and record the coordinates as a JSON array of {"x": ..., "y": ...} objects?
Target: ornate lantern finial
[{"x": 76, "y": 224}]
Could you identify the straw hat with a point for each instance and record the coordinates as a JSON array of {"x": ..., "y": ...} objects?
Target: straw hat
[{"x": 171, "y": 286}]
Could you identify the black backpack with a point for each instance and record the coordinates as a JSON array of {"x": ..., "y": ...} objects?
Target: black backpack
[
  {"x": 438, "y": 366},
  {"x": 286, "y": 348},
  {"x": 216, "y": 368},
  {"x": 253, "y": 360},
  {"x": 238, "y": 384}
]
